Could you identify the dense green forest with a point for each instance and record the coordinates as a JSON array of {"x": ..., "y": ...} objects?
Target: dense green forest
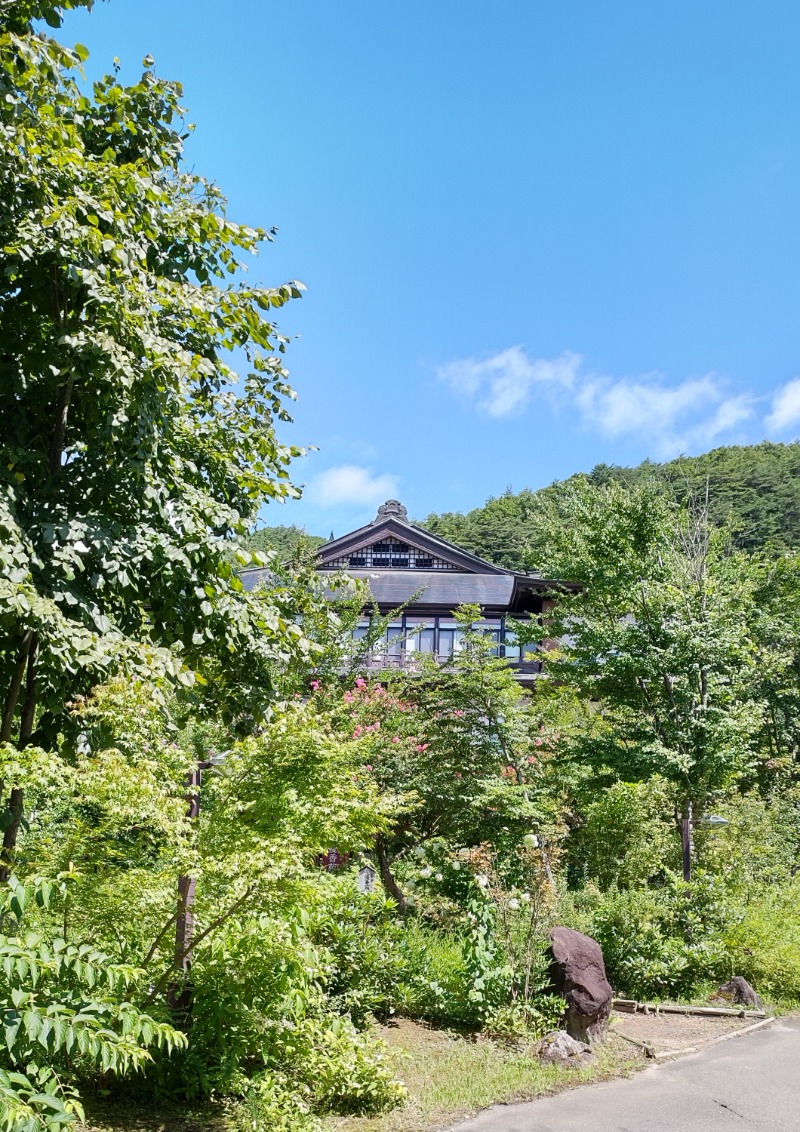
[
  {"x": 286, "y": 540},
  {"x": 754, "y": 489}
]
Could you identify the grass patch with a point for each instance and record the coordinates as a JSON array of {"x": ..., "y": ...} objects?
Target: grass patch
[{"x": 450, "y": 1076}]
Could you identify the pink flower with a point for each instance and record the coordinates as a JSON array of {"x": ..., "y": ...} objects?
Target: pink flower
[
  {"x": 368, "y": 767},
  {"x": 423, "y": 746},
  {"x": 315, "y": 685},
  {"x": 395, "y": 738},
  {"x": 458, "y": 712},
  {"x": 357, "y": 732},
  {"x": 361, "y": 683},
  {"x": 348, "y": 697},
  {"x": 531, "y": 758}
]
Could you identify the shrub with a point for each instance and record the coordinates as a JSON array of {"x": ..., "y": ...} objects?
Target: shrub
[
  {"x": 764, "y": 944},
  {"x": 659, "y": 942},
  {"x": 627, "y": 836}
]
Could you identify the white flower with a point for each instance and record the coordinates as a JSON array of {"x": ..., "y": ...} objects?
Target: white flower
[
  {"x": 513, "y": 903},
  {"x": 426, "y": 872},
  {"x": 482, "y": 881},
  {"x": 525, "y": 897},
  {"x": 456, "y": 866},
  {"x": 531, "y": 840},
  {"x": 419, "y": 851},
  {"x": 439, "y": 876}
]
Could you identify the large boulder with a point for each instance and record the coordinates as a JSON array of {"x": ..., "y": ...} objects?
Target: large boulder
[
  {"x": 739, "y": 991},
  {"x": 578, "y": 975},
  {"x": 559, "y": 1048}
]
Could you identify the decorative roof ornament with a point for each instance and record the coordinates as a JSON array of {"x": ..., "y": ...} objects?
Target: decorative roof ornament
[{"x": 391, "y": 509}]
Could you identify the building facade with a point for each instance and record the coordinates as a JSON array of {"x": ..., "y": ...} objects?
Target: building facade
[{"x": 405, "y": 565}]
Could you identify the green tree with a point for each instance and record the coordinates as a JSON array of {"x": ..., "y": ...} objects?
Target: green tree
[
  {"x": 755, "y": 493},
  {"x": 288, "y": 542},
  {"x": 130, "y": 458},
  {"x": 457, "y": 746},
  {"x": 661, "y": 638}
]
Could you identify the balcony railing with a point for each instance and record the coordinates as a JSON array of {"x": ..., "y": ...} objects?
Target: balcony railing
[{"x": 416, "y": 661}]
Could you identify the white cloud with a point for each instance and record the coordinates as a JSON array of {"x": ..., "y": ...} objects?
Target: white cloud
[
  {"x": 785, "y": 407},
  {"x": 675, "y": 418},
  {"x": 678, "y": 418},
  {"x": 505, "y": 381},
  {"x": 351, "y": 484},
  {"x": 631, "y": 404}
]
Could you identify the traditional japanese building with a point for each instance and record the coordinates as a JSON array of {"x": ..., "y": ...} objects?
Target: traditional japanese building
[{"x": 405, "y": 565}]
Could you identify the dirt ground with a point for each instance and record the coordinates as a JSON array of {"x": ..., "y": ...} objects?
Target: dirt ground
[{"x": 676, "y": 1031}]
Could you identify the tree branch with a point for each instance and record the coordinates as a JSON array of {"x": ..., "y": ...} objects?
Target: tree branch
[{"x": 162, "y": 982}]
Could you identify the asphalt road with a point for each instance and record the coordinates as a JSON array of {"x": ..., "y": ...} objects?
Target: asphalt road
[{"x": 752, "y": 1082}]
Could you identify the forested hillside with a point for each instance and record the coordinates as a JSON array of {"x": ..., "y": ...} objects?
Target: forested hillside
[
  {"x": 755, "y": 488},
  {"x": 287, "y": 541}
]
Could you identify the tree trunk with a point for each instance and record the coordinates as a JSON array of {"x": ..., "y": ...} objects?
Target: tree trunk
[
  {"x": 179, "y": 995},
  {"x": 16, "y": 799},
  {"x": 14, "y": 688},
  {"x": 387, "y": 879}
]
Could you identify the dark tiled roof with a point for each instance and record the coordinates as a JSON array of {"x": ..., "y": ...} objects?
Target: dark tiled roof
[{"x": 440, "y": 588}]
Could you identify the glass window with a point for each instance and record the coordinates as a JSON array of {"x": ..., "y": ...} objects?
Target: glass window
[
  {"x": 511, "y": 645},
  {"x": 394, "y": 638},
  {"x": 451, "y": 637},
  {"x": 419, "y": 634},
  {"x": 446, "y": 642}
]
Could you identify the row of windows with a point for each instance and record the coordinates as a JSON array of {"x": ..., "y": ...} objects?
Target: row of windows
[
  {"x": 443, "y": 636},
  {"x": 390, "y": 553}
]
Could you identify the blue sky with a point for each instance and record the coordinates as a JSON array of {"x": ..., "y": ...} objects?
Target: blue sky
[{"x": 535, "y": 235}]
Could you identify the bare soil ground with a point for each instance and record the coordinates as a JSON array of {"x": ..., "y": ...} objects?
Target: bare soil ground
[{"x": 676, "y": 1031}]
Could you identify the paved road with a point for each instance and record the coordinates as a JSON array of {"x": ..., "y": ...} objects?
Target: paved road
[{"x": 746, "y": 1083}]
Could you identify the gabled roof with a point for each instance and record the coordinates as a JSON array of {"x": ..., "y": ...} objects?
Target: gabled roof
[{"x": 392, "y": 521}]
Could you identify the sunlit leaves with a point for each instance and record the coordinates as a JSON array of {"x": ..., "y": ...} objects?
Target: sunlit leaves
[
  {"x": 58, "y": 997},
  {"x": 121, "y": 301}
]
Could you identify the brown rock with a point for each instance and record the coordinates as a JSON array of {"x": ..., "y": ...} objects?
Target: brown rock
[
  {"x": 578, "y": 975},
  {"x": 739, "y": 991}
]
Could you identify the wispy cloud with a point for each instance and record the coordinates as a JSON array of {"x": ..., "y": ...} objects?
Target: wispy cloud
[
  {"x": 785, "y": 407},
  {"x": 674, "y": 417},
  {"x": 677, "y": 418},
  {"x": 351, "y": 485},
  {"x": 504, "y": 383}
]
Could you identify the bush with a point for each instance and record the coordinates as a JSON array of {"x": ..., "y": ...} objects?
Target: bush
[
  {"x": 627, "y": 836},
  {"x": 764, "y": 944},
  {"x": 659, "y": 943}
]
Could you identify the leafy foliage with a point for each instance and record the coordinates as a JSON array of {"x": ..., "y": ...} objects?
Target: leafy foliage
[
  {"x": 62, "y": 1001},
  {"x": 128, "y": 460},
  {"x": 288, "y": 542}
]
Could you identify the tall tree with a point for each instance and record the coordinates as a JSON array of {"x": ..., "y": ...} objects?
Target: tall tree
[
  {"x": 130, "y": 452},
  {"x": 660, "y": 638}
]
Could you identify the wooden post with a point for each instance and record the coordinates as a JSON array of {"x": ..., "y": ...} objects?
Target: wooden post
[{"x": 686, "y": 839}]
